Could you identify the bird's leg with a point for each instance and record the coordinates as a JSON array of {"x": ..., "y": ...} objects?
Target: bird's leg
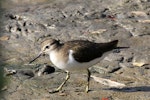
[
  {"x": 62, "y": 84},
  {"x": 88, "y": 80}
]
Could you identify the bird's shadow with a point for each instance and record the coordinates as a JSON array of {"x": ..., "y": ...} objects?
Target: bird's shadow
[{"x": 131, "y": 89}]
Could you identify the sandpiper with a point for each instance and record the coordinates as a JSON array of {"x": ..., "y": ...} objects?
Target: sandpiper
[{"x": 75, "y": 55}]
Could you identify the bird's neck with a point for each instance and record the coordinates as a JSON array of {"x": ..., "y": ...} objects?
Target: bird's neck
[{"x": 57, "y": 46}]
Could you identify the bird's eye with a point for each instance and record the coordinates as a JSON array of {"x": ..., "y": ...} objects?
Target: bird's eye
[{"x": 47, "y": 47}]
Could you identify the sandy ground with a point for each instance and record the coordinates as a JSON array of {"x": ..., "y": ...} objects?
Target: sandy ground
[{"x": 24, "y": 24}]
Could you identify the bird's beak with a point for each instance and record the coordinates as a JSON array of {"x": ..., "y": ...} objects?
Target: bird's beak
[{"x": 41, "y": 53}]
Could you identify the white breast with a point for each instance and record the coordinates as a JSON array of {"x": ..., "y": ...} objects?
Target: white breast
[
  {"x": 54, "y": 57},
  {"x": 74, "y": 65},
  {"x": 71, "y": 64}
]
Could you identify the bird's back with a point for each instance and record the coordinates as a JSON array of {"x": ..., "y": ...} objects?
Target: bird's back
[{"x": 85, "y": 51}]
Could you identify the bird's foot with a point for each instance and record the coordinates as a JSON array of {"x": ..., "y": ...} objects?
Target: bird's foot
[
  {"x": 86, "y": 90},
  {"x": 54, "y": 91}
]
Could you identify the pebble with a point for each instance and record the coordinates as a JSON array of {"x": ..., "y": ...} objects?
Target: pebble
[
  {"x": 9, "y": 71},
  {"x": 26, "y": 72},
  {"x": 141, "y": 60},
  {"x": 138, "y": 14},
  {"x": 63, "y": 94},
  {"x": 46, "y": 69}
]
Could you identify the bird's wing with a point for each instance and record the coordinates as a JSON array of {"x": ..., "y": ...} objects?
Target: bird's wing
[{"x": 86, "y": 52}]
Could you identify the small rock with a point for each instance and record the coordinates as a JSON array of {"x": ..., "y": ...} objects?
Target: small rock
[
  {"x": 13, "y": 17},
  {"x": 63, "y": 94},
  {"x": 140, "y": 60},
  {"x": 138, "y": 14},
  {"x": 99, "y": 31},
  {"x": 138, "y": 64},
  {"x": 144, "y": 21},
  {"x": 10, "y": 71},
  {"x": 46, "y": 69},
  {"x": 26, "y": 72}
]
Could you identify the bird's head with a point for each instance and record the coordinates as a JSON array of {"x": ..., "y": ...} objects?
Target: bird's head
[{"x": 46, "y": 47}]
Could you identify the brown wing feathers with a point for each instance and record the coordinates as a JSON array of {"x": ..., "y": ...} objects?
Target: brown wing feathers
[
  {"x": 85, "y": 51},
  {"x": 88, "y": 51}
]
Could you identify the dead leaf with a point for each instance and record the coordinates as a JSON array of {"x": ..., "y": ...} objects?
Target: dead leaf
[
  {"x": 139, "y": 13},
  {"x": 63, "y": 94},
  {"x": 138, "y": 64},
  {"x": 108, "y": 82},
  {"x": 98, "y": 31},
  {"x": 4, "y": 38},
  {"x": 144, "y": 21}
]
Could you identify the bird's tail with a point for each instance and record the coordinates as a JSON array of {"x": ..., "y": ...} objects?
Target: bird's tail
[
  {"x": 109, "y": 46},
  {"x": 112, "y": 45}
]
